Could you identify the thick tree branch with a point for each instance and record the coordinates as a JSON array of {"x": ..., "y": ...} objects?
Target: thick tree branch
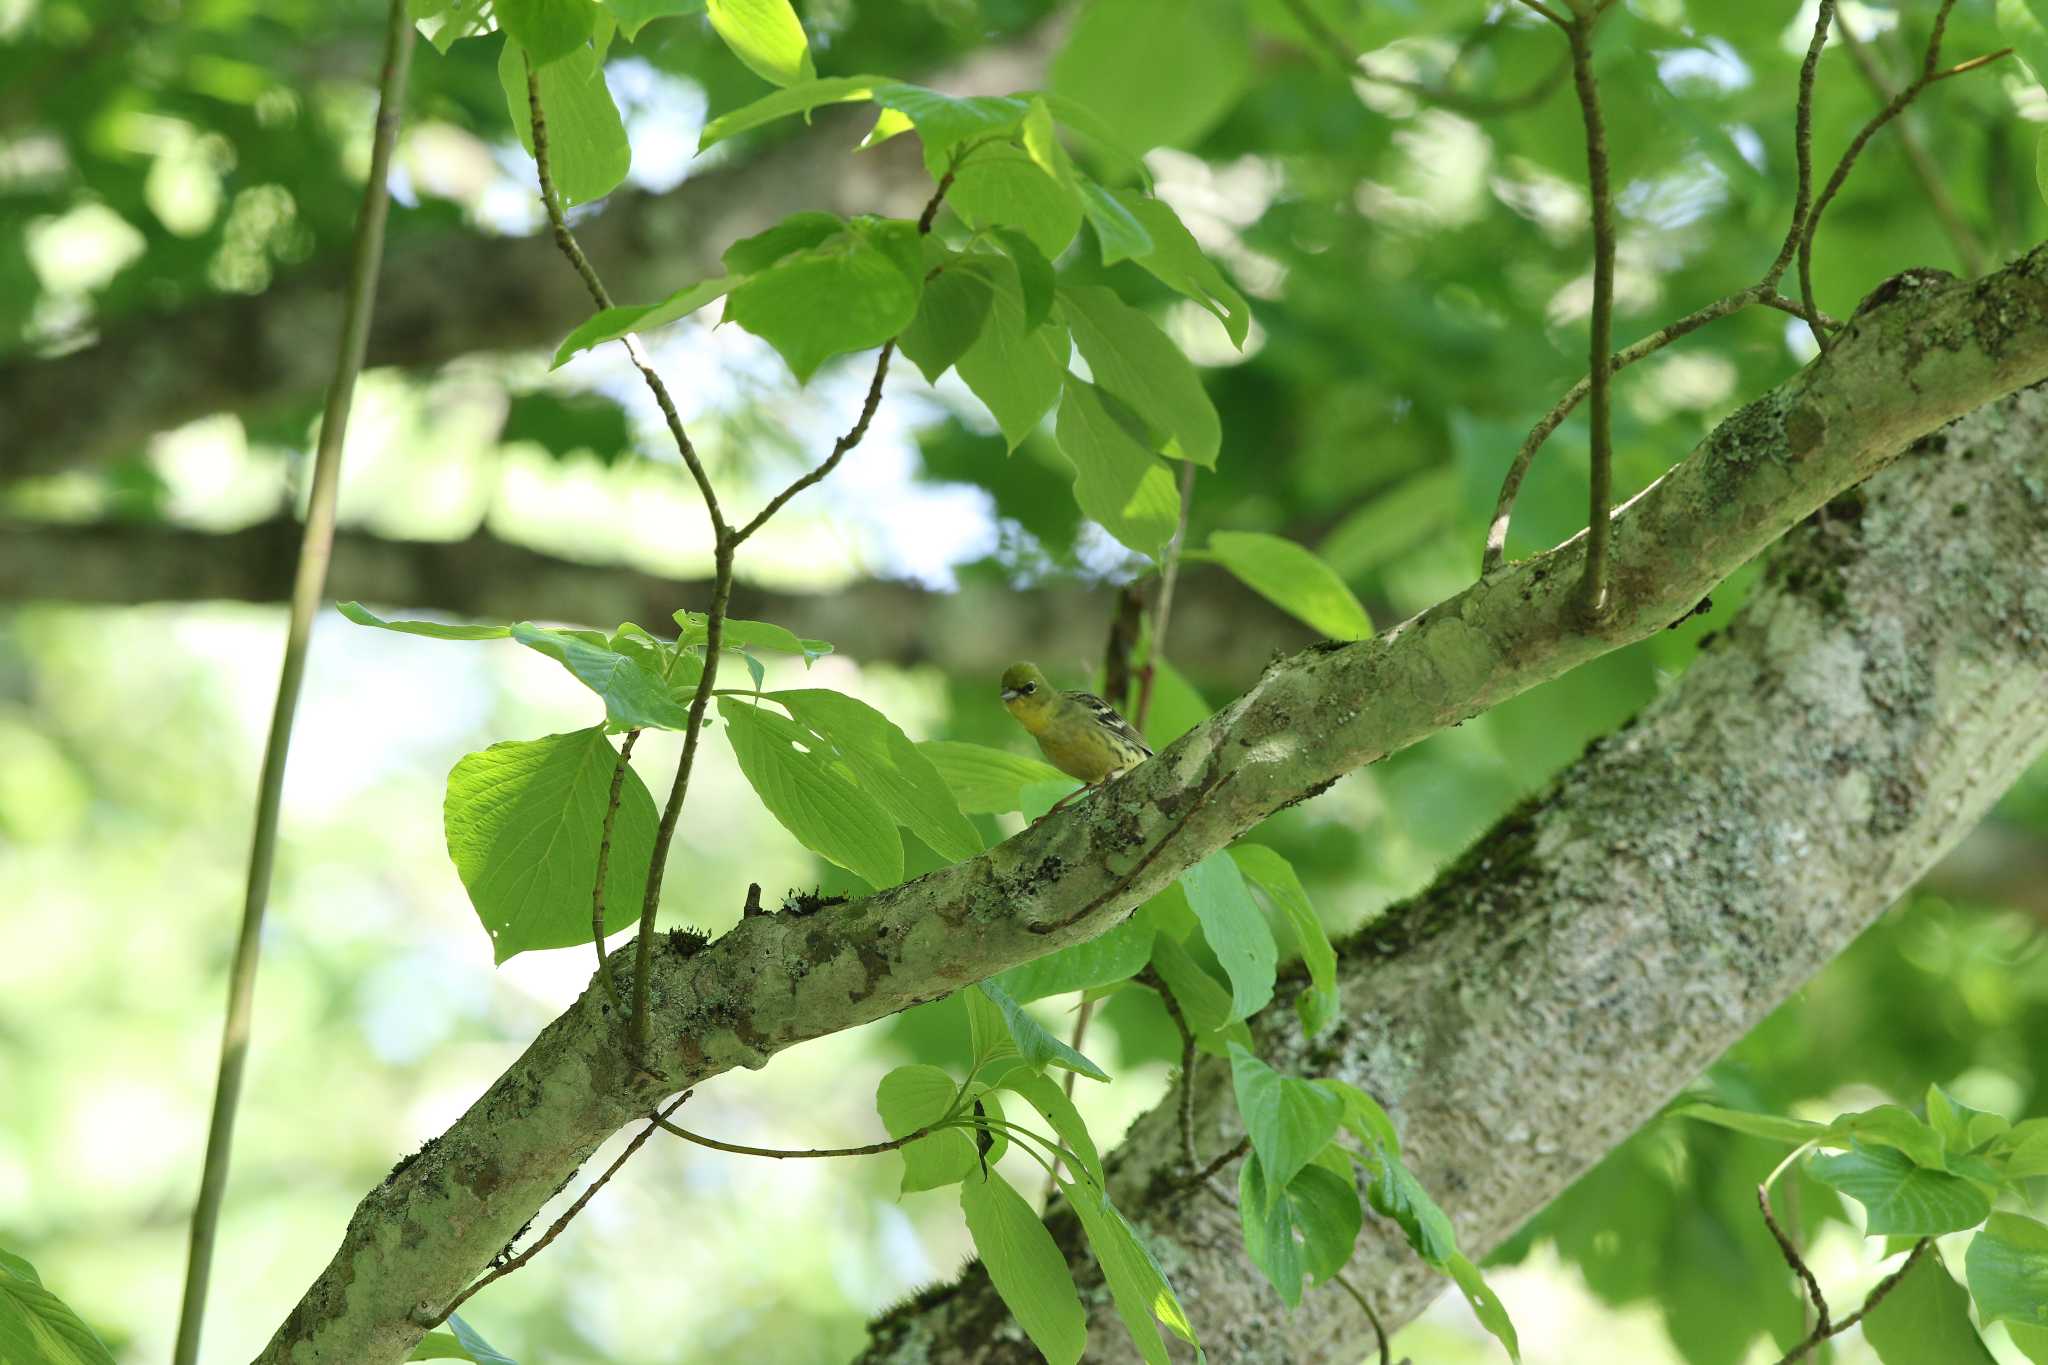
[
  {"x": 1604, "y": 943},
  {"x": 448, "y": 294},
  {"x": 1919, "y": 358}
]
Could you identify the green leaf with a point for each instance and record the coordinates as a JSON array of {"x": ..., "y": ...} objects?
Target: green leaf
[
  {"x": 1176, "y": 260},
  {"x": 2027, "y": 30},
  {"x": 634, "y": 15},
  {"x": 848, "y": 293},
  {"x": 1056, "y": 1107},
  {"x": 523, "y": 821},
  {"x": 445, "y": 22},
  {"x": 914, "y": 1097},
  {"x": 1132, "y": 359},
  {"x": 799, "y": 98},
  {"x": 1289, "y": 1119},
  {"x": 587, "y": 149},
  {"x": 736, "y": 633},
  {"x": 1203, "y": 1003},
  {"x": 1239, "y": 936},
  {"x": 1034, "y": 273},
  {"x": 888, "y": 768},
  {"x": 2023, "y": 1150},
  {"x": 633, "y": 697},
  {"x": 1364, "y": 1119},
  {"x": 1040, "y": 1047},
  {"x": 1324, "y": 1208},
  {"x": 1293, "y": 579},
  {"x": 2007, "y": 1265},
  {"x": 1319, "y": 1004},
  {"x": 809, "y": 795},
  {"x": 1026, "y": 1267},
  {"x": 1899, "y": 1196},
  {"x": 986, "y": 781},
  {"x": 1925, "y": 1318},
  {"x": 798, "y": 232},
  {"x": 988, "y": 1033},
  {"x": 1269, "y": 1230},
  {"x": 1391, "y": 523},
  {"x": 1177, "y": 707},
  {"x": 1137, "y": 1285},
  {"x": 1395, "y": 1193},
  {"x": 1768, "y": 1126},
  {"x": 1004, "y": 187},
  {"x": 1118, "y": 481},
  {"x": 1117, "y": 229},
  {"x": 433, "y": 630},
  {"x": 2032, "y": 1342},
  {"x": 767, "y": 36},
  {"x": 950, "y": 317},
  {"x": 37, "y": 1327},
  {"x": 1103, "y": 960},
  {"x": 945, "y": 121},
  {"x": 547, "y": 29},
  {"x": 613, "y": 323},
  {"x": 1013, "y": 369},
  {"x": 1486, "y": 1305},
  {"x": 1891, "y": 1125},
  {"x": 2041, "y": 165},
  {"x": 566, "y": 423},
  {"x": 1158, "y": 71},
  {"x": 459, "y": 1342},
  {"x": 1963, "y": 1130}
]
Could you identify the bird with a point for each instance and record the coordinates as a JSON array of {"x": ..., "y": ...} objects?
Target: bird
[{"x": 1079, "y": 733}]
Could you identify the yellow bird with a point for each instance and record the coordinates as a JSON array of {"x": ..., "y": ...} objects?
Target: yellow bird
[{"x": 1079, "y": 732}]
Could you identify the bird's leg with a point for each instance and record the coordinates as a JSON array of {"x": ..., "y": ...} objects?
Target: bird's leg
[{"x": 1082, "y": 790}]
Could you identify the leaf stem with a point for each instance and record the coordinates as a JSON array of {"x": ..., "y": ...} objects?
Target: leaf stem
[
  {"x": 308, "y": 587},
  {"x": 1594, "y": 601},
  {"x": 604, "y": 855}
]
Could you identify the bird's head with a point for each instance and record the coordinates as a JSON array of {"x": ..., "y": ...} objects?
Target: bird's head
[{"x": 1025, "y": 690}]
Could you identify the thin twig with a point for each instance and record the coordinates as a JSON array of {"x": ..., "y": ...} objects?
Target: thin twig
[
  {"x": 787, "y": 1154},
  {"x": 1547, "y": 12},
  {"x": 604, "y": 857},
  {"x": 1219, "y": 1161},
  {"x": 308, "y": 587},
  {"x": 1187, "y": 1072},
  {"x": 1969, "y": 252},
  {"x": 1825, "y": 1328},
  {"x": 1821, "y": 1326},
  {"x": 1162, "y": 610},
  {"x": 1386, "y": 1348},
  {"x": 1802, "y": 146},
  {"x": 1594, "y": 601},
  {"x": 555, "y": 1228}
]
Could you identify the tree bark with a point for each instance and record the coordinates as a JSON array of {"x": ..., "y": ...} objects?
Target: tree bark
[
  {"x": 449, "y": 295},
  {"x": 1222, "y": 629},
  {"x": 1606, "y": 942},
  {"x": 1922, "y": 354}
]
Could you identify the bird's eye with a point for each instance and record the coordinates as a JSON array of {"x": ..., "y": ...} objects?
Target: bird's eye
[{"x": 1028, "y": 688}]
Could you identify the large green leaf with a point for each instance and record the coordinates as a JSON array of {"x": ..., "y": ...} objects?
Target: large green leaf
[
  {"x": 37, "y": 1327},
  {"x": 1289, "y": 1119},
  {"x": 1118, "y": 481},
  {"x": 1238, "y": 934},
  {"x": 1056, "y": 1107},
  {"x": 1026, "y": 1267},
  {"x": 1131, "y": 358},
  {"x": 1100, "y": 961},
  {"x": 1269, "y": 1230},
  {"x": 433, "y": 630},
  {"x": 887, "y": 766},
  {"x": 1925, "y": 1319},
  {"x": 613, "y": 323},
  {"x": 547, "y": 29},
  {"x": 799, "y": 98},
  {"x": 1039, "y": 1046},
  {"x": 950, "y": 316},
  {"x": 1768, "y": 1126},
  {"x": 587, "y": 149},
  {"x": 1293, "y": 579},
  {"x": 1318, "y": 1204},
  {"x": 634, "y": 698},
  {"x": 1204, "y": 1004},
  {"x": 1178, "y": 262},
  {"x": 1138, "y": 1287},
  {"x": 634, "y": 15},
  {"x": 1014, "y": 369},
  {"x": 1002, "y": 187},
  {"x": 524, "y": 819},
  {"x": 767, "y": 36},
  {"x": 1157, "y": 71},
  {"x": 735, "y": 633},
  {"x": 1486, "y": 1305},
  {"x": 1117, "y": 230},
  {"x": 1899, "y": 1196},
  {"x": 860, "y": 271},
  {"x": 459, "y": 1342},
  {"x": 1318, "y": 1004},
  {"x": 810, "y": 795},
  {"x": 985, "y": 781},
  {"x": 913, "y": 1097},
  {"x": 2007, "y": 1265}
]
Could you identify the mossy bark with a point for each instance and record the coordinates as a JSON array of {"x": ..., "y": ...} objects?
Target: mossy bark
[{"x": 1469, "y": 953}]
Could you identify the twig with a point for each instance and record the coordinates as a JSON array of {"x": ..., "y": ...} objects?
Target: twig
[
  {"x": 1162, "y": 610},
  {"x": 1187, "y": 1073},
  {"x": 1386, "y": 1348},
  {"x": 1822, "y": 1329},
  {"x": 308, "y": 587},
  {"x": 1969, "y": 252},
  {"x": 1594, "y": 601},
  {"x": 786, "y": 1154},
  {"x": 1825, "y": 1328},
  {"x": 1547, "y": 12},
  {"x": 604, "y": 857},
  {"x": 1220, "y": 1160},
  {"x": 555, "y": 1228},
  {"x": 1891, "y": 110},
  {"x": 1123, "y": 639}
]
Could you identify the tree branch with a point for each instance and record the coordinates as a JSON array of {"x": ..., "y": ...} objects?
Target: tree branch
[
  {"x": 1904, "y": 367},
  {"x": 1608, "y": 940}
]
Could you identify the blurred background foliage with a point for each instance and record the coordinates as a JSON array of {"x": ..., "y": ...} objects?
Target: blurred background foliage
[{"x": 1413, "y": 242}]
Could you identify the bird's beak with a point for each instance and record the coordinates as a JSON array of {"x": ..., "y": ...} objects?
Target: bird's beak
[{"x": 1011, "y": 694}]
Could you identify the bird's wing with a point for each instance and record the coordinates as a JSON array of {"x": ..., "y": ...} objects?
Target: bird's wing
[{"x": 1107, "y": 717}]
